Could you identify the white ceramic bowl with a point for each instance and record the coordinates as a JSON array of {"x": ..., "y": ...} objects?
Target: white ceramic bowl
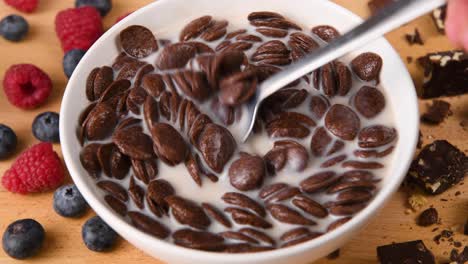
[{"x": 165, "y": 16}]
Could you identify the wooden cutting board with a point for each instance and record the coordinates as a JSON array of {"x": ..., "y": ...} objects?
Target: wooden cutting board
[{"x": 63, "y": 244}]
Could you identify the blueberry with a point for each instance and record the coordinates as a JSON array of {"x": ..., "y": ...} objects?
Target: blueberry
[
  {"x": 23, "y": 238},
  {"x": 103, "y": 6},
  {"x": 68, "y": 201},
  {"x": 8, "y": 141},
  {"x": 14, "y": 28},
  {"x": 71, "y": 60},
  {"x": 45, "y": 127},
  {"x": 97, "y": 235}
]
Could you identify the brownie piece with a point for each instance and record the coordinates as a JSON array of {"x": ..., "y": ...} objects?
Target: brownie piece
[
  {"x": 377, "y": 5},
  {"x": 445, "y": 74},
  {"x": 413, "y": 252},
  {"x": 439, "y": 166},
  {"x": 437, "y": 112},
  {"x": 414, "y": 38},
  {"x": 439, "y": 15}
]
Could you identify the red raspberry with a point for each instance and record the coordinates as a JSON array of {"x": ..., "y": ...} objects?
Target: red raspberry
[
  {"x": 37, "y": 169},
  {"x": 27, "y": 6},
  {"x": 26, "y": 86},
  {"x": 78, "y": 28}
]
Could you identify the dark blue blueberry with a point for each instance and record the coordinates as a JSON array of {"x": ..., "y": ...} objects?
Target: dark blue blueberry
[
  {"x": 8, "y": 141},
  {"x": 103, "y": 6},
  {"x": 23, "y": 238},
  {"x": 71, "y": 60},
  {"x": 45, "y": 127},
  {"x": 97, "y": 235},
  {"x": 68, "y": 201},
  {"x": 14, "y": 27}
]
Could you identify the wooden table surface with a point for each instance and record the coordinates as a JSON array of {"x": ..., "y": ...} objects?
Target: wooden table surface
[{"x": 63, "y": 243}]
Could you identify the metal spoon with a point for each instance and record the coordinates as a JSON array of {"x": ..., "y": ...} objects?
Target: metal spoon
[{"x": 385, "y": 21}]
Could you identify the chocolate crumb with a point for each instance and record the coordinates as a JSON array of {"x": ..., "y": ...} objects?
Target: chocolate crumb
[
  {"x": 443, "y": 200},
  {"x": 457, "y": 244},
  {"x": 435, "y": 229},
  {"x": 457, "y": 193},
  {"x": 334, "y": 255},
  {"x": 420, "y": 140},
  {"x": 414, "y": 38},
  {"x": 428, "y": 217},
  {"x": 409, "y": 59},
  {"x": 437, "y": 112},
  {"x": 465, "y": 231}
]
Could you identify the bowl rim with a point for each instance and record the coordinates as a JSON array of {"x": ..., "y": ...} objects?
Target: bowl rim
[{"x": 126, "y": 229}]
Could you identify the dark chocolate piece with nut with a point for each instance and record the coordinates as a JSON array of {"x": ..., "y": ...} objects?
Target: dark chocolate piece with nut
[
  {"x": 439, "y": 166},
  {"x": 445, "y": 74}
]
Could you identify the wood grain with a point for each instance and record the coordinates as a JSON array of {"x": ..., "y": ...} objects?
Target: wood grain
[{"x": 64, "y": 244}]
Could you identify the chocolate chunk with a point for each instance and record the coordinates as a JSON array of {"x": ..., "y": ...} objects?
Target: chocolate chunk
[
  {"x": 437, "y": 112},
  {"x": 414, "y": 38},
  {"x": 326, "y": 33},
  {"x": 148, "y": 225},
  {"x": 406, "y": 252},
  {"x": 134, "y": 143},
  {"x": 444, "y": 73},
  {"x": 238, "y": 88},
  {"x": 286, "y": 153},
  {"x": 439, "y": 166},
  {"x": 243, "y": 201},
  {"x": 175, "y": 56},
  {"x": 376, "y": 136},
  {"x": 138, "y": 41},
  {"x": 200, "y": 240},
  {"x": 247, "y": 173},
  {"x": 369, "y": 101},
  {"x": 428, "y": 217},
  {"x": 195, "y": 28},
  {"x": 187, "y": 212},
  {"x": 214, "y": 213},
  {"x": 334, "y": 255},
  {"x": 367, "y": 66},
  {"x": 342, "y": 122},
  {"x": 169, "y": 144},
  {"x": 377, "y": 5},
  {"x": 244, "y": 217},
  {"x": 217, "y": 146},
  {"x": 439, "y": 15}
]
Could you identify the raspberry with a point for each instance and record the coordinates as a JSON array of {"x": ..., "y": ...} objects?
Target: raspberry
[
  {"x": 38, "y": 169},
  {"x": 27, "y": 6},
  {"x": 26, "y": 86},
  {"x": 78, "y": 28}
]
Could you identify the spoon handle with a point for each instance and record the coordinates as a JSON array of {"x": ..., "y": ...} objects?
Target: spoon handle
[{"x": 388, "y": 19}]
